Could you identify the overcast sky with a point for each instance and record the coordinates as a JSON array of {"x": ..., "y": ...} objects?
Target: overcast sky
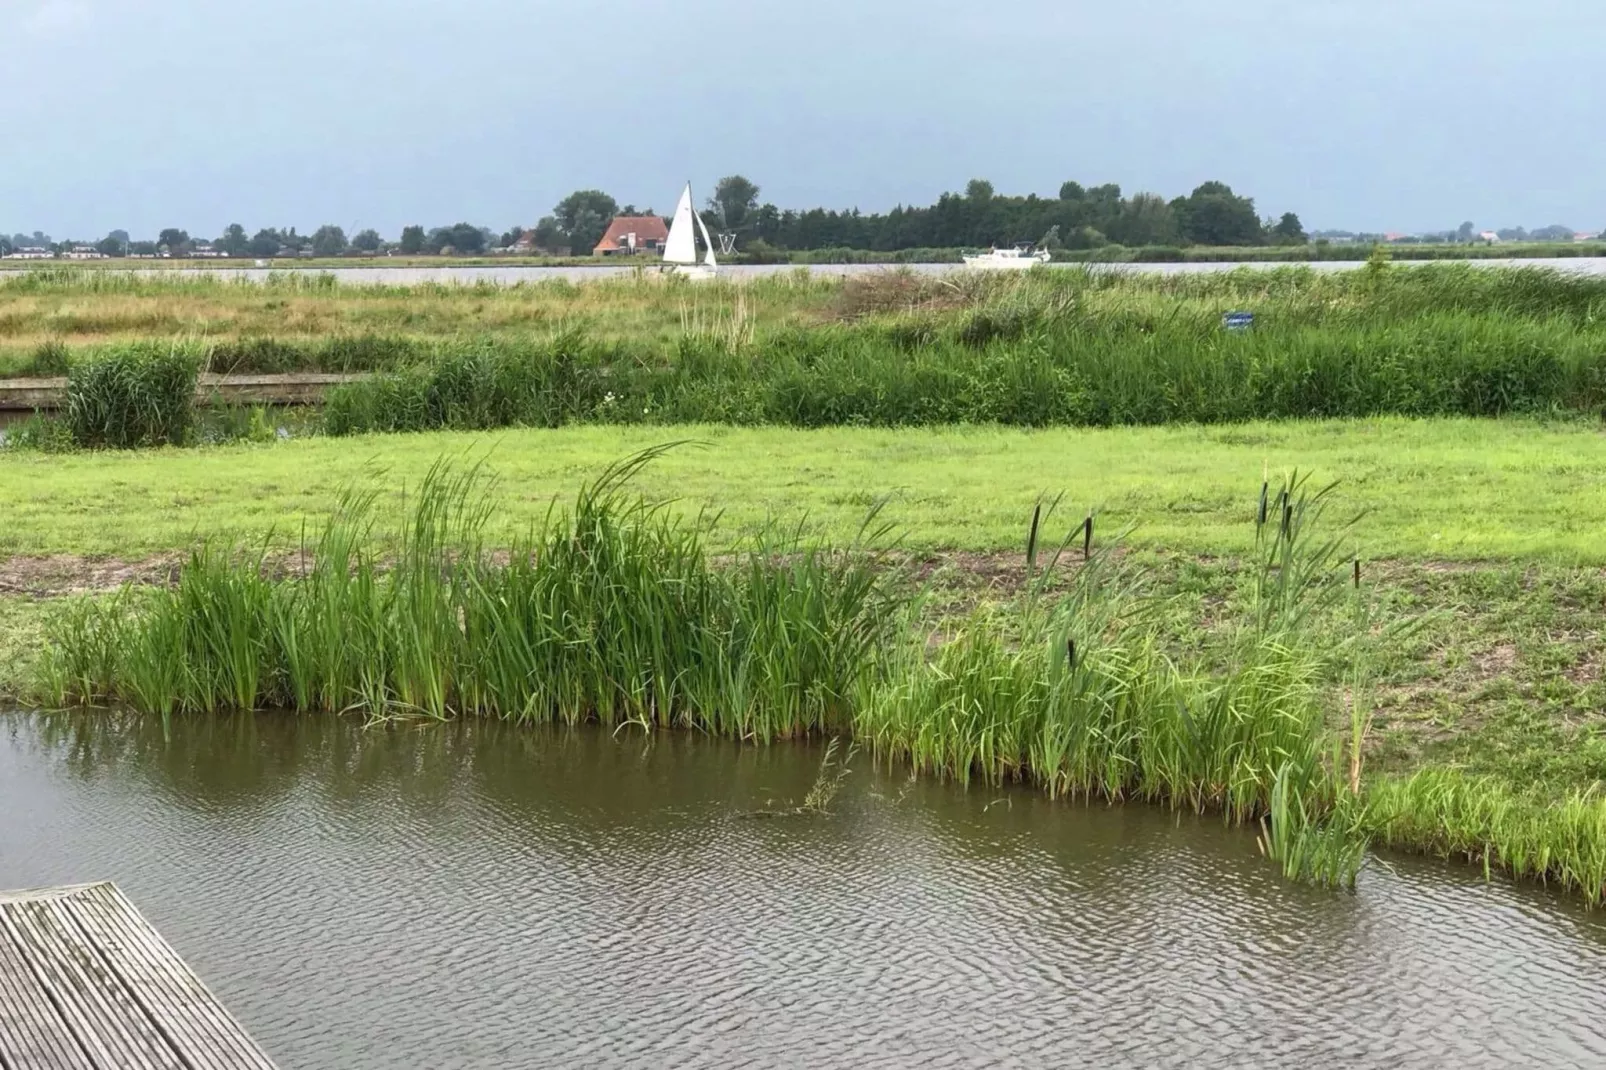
[{"x": 1360, "y": 114}]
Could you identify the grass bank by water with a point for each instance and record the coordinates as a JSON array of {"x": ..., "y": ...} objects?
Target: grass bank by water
[
  {"x": 1076, "y": 680},
  {"x": 1511, "y": 489}
]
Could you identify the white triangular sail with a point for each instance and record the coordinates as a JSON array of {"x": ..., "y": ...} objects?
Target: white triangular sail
[
  {"x": 707, "y": 242},
  {"x": 681, "y": 245}
]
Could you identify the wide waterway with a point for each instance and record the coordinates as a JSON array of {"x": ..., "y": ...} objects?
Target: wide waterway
[
  {"x": 513, "y": 274},
  {"x": 480, "y": 896}
]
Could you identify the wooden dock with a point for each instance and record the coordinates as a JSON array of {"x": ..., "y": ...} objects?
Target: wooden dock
[
  {"x": 87, "y": 984},
  {"x": 294, "y": 388}
]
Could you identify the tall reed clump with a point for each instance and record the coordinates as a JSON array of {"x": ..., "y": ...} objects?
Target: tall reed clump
[
  {"x": 611, "y": 612},
  {"x": 1035, "y": 360},
  {"x": 1077, "y": 696},
  {"x": 132, "y": 395},
  {"x": 473, "y": 386},
  {"x": 1492, "y": 824}
]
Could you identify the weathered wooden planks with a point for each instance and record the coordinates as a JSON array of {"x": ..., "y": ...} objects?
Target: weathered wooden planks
[
  {"x": 292, "y": 388},
  {"x": 87, "y": 984}
]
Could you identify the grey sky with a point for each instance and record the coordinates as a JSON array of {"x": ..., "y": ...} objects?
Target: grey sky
[{"x": 1367, "y": 114}]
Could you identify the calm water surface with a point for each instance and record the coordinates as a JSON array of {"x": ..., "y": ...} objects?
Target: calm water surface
[
  {"x": 512, "y": 274},
  {"x": 473, "y": 896}
]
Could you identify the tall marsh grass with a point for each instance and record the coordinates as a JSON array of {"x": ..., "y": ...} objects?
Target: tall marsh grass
[
  {"x": 1072, "y": 346},
  {"x": 1023, "y": 365},
  {"x": 612, "y": 612},
  {"x": 1493, "y": 825},
  {"x": 131, "y": 396}
]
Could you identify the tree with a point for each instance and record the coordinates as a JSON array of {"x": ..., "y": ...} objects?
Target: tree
[
  {"x": 142, "y": 248},
  {"x": 584, "y": 216},
  {"x": 412, "y": 240},
  {"x": 586, "y": 231},
  {"x": 234, "y": 240},
  {"x": 1214, "y": 215},
  {"x": 978, "y": 189},
  {"x": 461, "y": 238},
  {"x": 548, "y": 234},
  {"x": 177, "y": 241},
  {"x": 6, "y": 248},
  {"x": 367, "y": 241},
  {"x": 328, "y": 240},
  {"x": 265, "y": 243},
  {"x": 114, "y": 244},
  {"x": 510, "y": 237},
  {"x": 1072, "y": 191},
  {"x": 1289, "y": 231},
  {"x": 1144, "y": 220},
  {"x": 1464, "y": 232},
  {"x": 1554, "y": 232},
  {"x": 734, "y": 201}
]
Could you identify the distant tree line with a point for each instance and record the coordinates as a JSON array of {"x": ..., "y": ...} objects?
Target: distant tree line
[{"x": 1077, "y": 217}]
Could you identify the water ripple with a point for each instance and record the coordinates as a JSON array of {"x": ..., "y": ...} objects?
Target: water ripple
[{"x": 471, "y": 897}]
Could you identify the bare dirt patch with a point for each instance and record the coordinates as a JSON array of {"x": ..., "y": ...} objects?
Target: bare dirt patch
[{"x": 56, "y": 575}]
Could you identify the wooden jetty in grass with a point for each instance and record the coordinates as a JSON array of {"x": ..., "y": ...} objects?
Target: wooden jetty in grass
[
  {"x": 87, "y": 984},
  {"x": 292, "y": 388}
]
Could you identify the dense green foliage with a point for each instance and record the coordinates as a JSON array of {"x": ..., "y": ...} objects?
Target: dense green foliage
[
  {"x": 133, "y": 395},
  {"x": 1063, "y": 347},
  {"x": 1076, "y": 218},
  {"x": 1059, "y": 348},
  {"x": 611, "y": 613}
]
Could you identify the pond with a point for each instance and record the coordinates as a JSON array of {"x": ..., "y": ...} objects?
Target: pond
[{"x": 474, "y": 895}]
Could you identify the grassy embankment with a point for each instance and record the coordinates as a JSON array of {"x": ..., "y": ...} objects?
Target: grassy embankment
[
  {"x": 1493, "y": 524},
  {"x": 1066, "y": 347},
  {"x": 1258, "y": 697}
]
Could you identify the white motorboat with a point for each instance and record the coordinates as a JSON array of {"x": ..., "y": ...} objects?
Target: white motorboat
[
  {"x": 680, "y": 248},
  {"x": 1020, "y": 258}
]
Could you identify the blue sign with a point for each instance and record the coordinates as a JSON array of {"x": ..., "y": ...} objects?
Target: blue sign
[{"x": 1238, "y": 321}]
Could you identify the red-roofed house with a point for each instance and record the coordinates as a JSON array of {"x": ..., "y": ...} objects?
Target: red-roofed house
[{"x": 632, "y": 233}]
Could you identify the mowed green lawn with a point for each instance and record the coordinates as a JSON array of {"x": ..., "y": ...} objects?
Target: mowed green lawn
[{"x": 1514, "y": 489}]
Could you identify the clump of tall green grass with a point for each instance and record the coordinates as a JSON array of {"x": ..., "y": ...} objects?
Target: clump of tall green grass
[
  {"x": 133, "y": 395},
  {"x": 1492, "y": 824},
  {"x": 1020, "y": 365},
  {"x": 1076, "y": 695},
  {"x": 611, "y": 612},
  {"x": 1314, "y": 832},
  {"x": 475, "y": 386}
]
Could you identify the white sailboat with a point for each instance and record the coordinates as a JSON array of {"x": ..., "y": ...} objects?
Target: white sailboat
[{"x": 680, "y": 249}]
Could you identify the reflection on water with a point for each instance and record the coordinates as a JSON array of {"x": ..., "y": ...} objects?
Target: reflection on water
[{"x": 479, "y": 896}]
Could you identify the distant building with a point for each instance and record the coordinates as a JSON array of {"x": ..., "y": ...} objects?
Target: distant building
[
  {"x": 1488, "y": 236},
  {"x": 1585, "y": 236},
  {"x": 632, "y": 234},
  {"x": 83, "y": 252},
  {"x": 205, "y": 250},
  {"x": 30, "y": 252}
]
